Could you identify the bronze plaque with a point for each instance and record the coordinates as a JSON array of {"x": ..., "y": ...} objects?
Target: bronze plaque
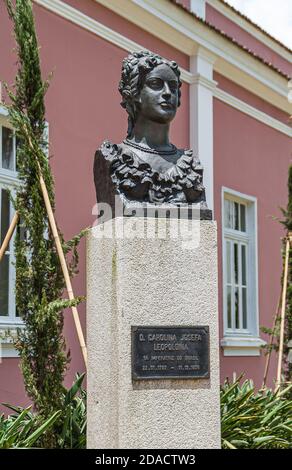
[{"x": 170, "y": 352}]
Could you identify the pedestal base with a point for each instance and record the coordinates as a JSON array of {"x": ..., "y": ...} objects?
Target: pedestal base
[{"x": 135, "y": 281}]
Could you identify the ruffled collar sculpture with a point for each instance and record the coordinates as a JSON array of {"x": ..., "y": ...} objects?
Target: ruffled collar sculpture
[{"x": 146, "y": 167}]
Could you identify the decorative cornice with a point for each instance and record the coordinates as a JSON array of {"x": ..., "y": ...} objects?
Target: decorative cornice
[
  {"x": 181, "y": 21},
  {"x": 89, "y": 24},
  {"x": 178, "y": 30},
  {"x": 198, "y": 79},
  {"x": 176, "y": 27},
  {"x": 228, "y": 37},
  {"x": 250, "y": 27}
]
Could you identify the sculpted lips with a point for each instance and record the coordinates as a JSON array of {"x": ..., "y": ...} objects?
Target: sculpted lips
[{"x": 166, "y": 105}]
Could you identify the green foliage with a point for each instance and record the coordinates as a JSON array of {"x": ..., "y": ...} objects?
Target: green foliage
[
  {"x": 39, "y": 278},
  {"x": 72, "y": 428},
  {"x": 26, "y": 429},
  {"x": 255, "y": 420},
  {"x": 287, "y": 222},
  {"x": 249, "y": 420},
  {"x": 30, "y": 89},
  {"x": 23, "y": 428}
]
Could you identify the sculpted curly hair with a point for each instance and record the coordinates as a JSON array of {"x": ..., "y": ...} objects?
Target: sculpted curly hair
[{"x": 134, "y": 70}]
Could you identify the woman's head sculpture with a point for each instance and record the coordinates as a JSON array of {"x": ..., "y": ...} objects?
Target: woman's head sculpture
[
  {"x": 146, "y": 168},
  {"x": 135, "y": 69}
]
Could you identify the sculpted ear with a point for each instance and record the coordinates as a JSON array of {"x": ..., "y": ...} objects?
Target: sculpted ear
[
  {"x": 138, "y": 99},
  {"x": 137, "y": 104}
]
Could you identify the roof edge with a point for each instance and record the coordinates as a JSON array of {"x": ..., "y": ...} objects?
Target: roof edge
[
  {"x": 231, "y": 39},
  {"x": 262, "y": 30}
]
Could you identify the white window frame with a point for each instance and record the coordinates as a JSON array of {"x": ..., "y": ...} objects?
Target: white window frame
[
  {"x": 242, "y": 342},
  {"x": 9, "y": 180}
]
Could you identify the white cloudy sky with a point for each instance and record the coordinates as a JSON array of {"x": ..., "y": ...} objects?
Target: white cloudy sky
[{"x": 275, "y": 16}]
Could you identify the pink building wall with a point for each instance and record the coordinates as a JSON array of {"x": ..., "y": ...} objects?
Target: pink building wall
[
  {"x": 246, "y": 39},
  {"x": 252, "y": 158},
  {"x": 83, "y": 110}
]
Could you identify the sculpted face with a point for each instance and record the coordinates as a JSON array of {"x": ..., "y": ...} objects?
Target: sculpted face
[{"x": 158, "y": 98}]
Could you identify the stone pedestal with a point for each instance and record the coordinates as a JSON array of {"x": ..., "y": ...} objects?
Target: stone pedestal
[{"x": 167, "y": 278}]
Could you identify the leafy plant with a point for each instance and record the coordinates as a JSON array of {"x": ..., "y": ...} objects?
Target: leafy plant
[
  {"x": 72, "y": 429},
  {"x": 26, "y": 429},
  {"x": 255, "y": 420},
  {"x": 23, "y": 429}
]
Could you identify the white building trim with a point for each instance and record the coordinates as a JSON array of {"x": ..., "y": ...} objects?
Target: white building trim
[
  {"x": 87, "y": 23},
  {"x": 241, "y": 346},
  {"x": 176, "y": 27},
  {"x": 8, "y": 334},
  {"x": 251, "y": 29},
  {"x": 201, "y": 116},
  {"x": 179, "y": 29},
  {"x": 3, "y": 111}
]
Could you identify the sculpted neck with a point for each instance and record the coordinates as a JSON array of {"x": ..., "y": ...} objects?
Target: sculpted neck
[{"x": 150, "y": 133}]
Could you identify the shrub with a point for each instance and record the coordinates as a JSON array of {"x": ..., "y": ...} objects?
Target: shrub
[
  {"x": 26, "y": 429},
  {"x": 255, "y": 420}
]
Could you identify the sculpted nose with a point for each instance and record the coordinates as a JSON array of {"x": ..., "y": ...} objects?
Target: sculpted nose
[{"x": 166, "y": 91}]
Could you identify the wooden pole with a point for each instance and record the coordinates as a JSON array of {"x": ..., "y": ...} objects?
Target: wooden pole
[
  {"x": 59, "y": 251},
  {"x": 283, "y": 308},
  {"x": 61, "y": 255},
  {"x": 63, "y": 264},
  {"x": 268, "y": 358},
  {"x": 8, "y": 235}
]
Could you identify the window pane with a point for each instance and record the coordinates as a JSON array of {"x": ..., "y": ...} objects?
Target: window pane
[
  {"x": 236, "y": 307},
  {"x": 228, "y": 206},
  {"x": 244, "y": 309},
  {"x": 236, "y": 216},
  {"x": 4, "y": 285},
  {"x": 7, "y": 149},
  {"x": 5, "y": 213},
  {"x": 243, "y": 264},
  {"x": 228, "y": 261},
  {"x": 242, "y": 218},
  {"x": 236, "y": 263},
  {"x": 229, "y": 321}
]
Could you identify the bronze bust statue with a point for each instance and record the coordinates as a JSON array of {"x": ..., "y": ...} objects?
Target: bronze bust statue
[{"x": 146, "y": 167}]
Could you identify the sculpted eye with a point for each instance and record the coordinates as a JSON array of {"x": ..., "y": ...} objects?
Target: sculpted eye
[
  {"x": 155, "y": 83},
  {"x": 173, "y": 85}
]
